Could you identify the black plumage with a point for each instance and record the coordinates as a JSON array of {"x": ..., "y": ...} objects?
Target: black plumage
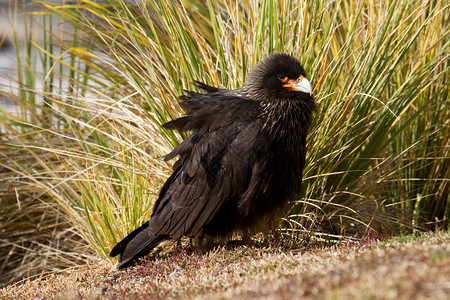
[{"x": 240, "y": 166}]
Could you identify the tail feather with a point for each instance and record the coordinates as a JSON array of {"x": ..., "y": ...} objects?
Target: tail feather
[{"x": 135, "y": 245}]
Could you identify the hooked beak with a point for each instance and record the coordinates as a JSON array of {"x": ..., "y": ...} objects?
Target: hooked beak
[{"x": 300, "y": 85}]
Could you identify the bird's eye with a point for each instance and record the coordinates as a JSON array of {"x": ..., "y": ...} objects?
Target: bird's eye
[{"x": 283, "y": 78}]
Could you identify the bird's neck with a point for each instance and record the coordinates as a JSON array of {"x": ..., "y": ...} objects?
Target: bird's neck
[{"x": 287, "y": 117}]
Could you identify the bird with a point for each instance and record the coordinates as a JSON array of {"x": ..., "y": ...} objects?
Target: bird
[{"x": 241, "y": 164}]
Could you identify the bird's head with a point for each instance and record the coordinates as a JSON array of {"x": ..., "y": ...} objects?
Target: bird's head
[{"x": 276, "y": 77}]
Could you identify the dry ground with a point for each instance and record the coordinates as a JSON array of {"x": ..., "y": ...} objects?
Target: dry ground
[{"x": 400, "y": 268}]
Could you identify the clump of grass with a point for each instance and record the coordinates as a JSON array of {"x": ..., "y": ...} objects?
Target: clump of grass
[{"x": 92, "y": 102}]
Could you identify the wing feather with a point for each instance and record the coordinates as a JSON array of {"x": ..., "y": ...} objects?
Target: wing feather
[{"x": 212, "y": 167}]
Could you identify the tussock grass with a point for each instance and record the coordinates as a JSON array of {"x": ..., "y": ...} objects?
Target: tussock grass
[{"x": 87, "y": 143}]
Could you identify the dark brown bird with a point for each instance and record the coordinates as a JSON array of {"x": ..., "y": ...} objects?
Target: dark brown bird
[{"x": 240, "y": 166}]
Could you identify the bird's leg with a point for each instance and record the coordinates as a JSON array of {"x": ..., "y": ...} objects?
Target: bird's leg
[{"x": 247, "y": 239}]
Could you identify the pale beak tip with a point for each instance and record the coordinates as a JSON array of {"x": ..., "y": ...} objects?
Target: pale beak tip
[{"x": 304, "y": 86}]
